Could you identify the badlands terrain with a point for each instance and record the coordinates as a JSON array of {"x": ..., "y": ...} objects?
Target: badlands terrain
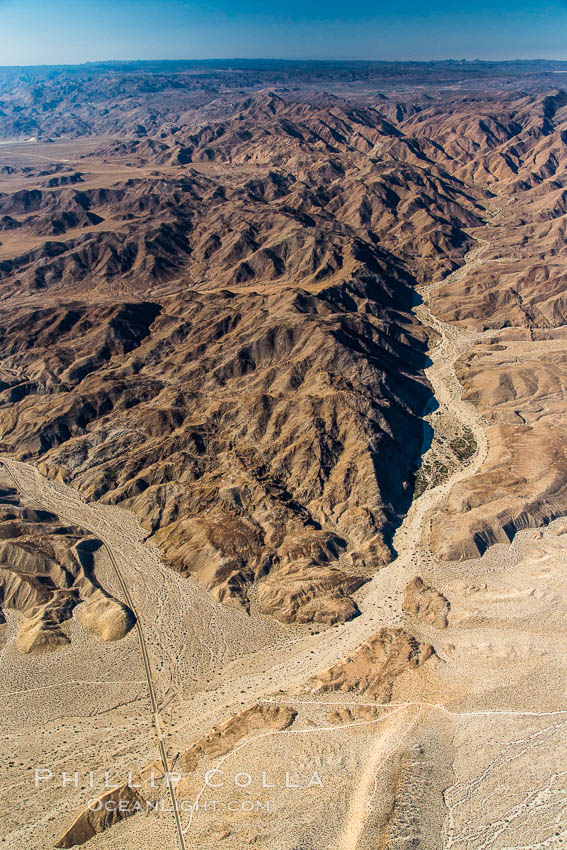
[{"x": 283, "y": 447}]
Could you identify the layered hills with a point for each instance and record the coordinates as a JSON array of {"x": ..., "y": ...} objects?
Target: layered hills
[
  {"x": 246, "y": 374},
  {"x": 213, "y": 325}
]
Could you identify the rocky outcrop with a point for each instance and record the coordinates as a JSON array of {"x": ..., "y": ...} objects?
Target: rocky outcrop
[
  {"x": 102, "y": 813},
  {"x": 304, "y": 592},
  {"x": 106, "y": 617},
  {"x": 426, "y": 604},
  {"x": 374, "y": 667},
  {"x": 263, "y": 716}
]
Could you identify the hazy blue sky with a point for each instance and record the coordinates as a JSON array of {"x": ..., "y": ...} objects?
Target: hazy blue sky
[{"x": 51, "y": 31}]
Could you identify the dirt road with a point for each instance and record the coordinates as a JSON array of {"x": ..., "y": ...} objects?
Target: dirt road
[{"x": 31, "y": 499}]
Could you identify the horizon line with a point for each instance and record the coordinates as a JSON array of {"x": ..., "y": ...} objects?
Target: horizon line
[{"x": 448, "y": 60}]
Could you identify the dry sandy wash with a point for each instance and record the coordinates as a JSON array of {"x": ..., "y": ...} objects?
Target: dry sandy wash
[{"x": 283, "y": 457}]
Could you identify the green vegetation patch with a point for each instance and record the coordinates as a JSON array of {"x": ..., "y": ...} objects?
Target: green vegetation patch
[
  {"x": 430, "y": 474},
  {"x": 464, "y": 446}
]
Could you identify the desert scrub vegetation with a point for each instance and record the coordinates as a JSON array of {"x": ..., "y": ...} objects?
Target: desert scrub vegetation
[
  {"x": 464, "y": 446},
  {"x": 430, "y": 474},
  {"x": 447, "y": 453}
]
